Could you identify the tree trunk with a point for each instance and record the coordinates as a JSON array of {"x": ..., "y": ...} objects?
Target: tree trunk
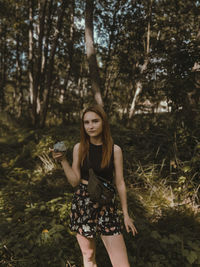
[
  {"x": 47, "y": 89},
  {"x": 91, "y": 53},
  {"x": 46, "y": 44},
  {"x": 194, "y": 96},
  {"x": 70, "y": 50},
  {"x": 18, "y": 81},
  {"x": 109, "y": 70},
  {"x": 3, "y": 67},
  {"x": 191, "y": 107},
  {"x": 30, "y": 54},
  {"x": 36, "y": 106},
  {"x": 138, "y": 88}
]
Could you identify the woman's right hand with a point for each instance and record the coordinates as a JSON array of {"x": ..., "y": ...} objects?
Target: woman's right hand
[{"x": 58, "y": 156}]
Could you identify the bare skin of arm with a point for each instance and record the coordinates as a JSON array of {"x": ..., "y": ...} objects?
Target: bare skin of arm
[
  {"x": 121, "y": 188},
  {"x": 72, "y": 172}
]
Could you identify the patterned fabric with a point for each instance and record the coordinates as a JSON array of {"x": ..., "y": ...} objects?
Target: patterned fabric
[{"x": 88, "y": 218}]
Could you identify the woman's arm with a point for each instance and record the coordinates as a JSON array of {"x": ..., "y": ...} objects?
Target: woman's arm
[
  {"x": 121, "y": 188},
  {"x": 72, "y": 173}
]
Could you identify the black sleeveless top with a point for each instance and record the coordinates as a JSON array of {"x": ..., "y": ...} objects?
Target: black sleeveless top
[{"x": 95, "y": 157}]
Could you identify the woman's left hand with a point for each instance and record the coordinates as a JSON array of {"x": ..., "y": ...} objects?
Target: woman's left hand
[{"x": 129, "y": 225}]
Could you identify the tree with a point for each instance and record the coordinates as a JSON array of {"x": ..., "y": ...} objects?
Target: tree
[
  {"x": 43, "y": 61},
  {"x": 138, "y": 86},
  {"x": 91, "y": 53},
  {"x": 194, "y": 96}
]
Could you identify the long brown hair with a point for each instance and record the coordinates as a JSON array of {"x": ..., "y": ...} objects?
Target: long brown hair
[{"x": 107, "y": 142}]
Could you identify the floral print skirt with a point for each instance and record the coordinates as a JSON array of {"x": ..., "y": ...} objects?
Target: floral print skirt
[{"x": 88, "y": 218}]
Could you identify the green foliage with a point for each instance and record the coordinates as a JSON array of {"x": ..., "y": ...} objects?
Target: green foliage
[{"x": 34, "y": 204}]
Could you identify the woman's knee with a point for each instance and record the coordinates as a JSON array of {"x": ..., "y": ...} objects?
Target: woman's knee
[{"x": 88, "y": 248}]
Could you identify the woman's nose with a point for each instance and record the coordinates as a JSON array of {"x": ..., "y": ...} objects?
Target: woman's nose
[{"x": 90, "y": 125}]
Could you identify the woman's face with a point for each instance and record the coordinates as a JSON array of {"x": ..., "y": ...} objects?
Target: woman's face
[{"x": 93, "y": 124}]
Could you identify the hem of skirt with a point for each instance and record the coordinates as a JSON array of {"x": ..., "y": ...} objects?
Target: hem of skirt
[
  {"x": 83, "y": 234},
  {"x": 96, "y": 233},
  {"x": 111, "y": 234}
]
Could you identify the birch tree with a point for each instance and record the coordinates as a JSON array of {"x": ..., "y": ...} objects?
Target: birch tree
[
  {"x": 91, "y": 53},
  {"x": 138, "y": 85}
]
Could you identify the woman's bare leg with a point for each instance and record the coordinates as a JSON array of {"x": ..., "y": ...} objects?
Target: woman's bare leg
[
  {"x": 116, "y": 249},
  {"x": 88, "y": 249}
]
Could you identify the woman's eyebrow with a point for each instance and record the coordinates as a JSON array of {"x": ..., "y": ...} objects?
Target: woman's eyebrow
[{"x": 92, "y": 120}]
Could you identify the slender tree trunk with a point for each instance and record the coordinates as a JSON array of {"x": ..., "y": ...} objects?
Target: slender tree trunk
[
  {"x": 138, "y": 90},
  {"x": 30, "y": 54},
  {"x": 47, "y": 89},
  {"x": 138, "y": 87},
  {"x": 46, "y": 44},
  {"x": 192, "y": 101},
  {"x": 91, "y": 53},
  {"x": 109, "y": 70},
  {"x": 18, "y": 100},
  {"x": 36, "y": 106},
  {"x": 18, "y": 83},
  {"x": 70, "y": 50},
  {"x": 195, "y": 95},
  {"x": 3, "y": 67}
]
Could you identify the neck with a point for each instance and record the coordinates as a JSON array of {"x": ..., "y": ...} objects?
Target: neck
[{"x": 96, "y": 140}]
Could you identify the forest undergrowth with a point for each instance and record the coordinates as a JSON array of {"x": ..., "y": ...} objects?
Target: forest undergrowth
[{"x": 161, "y": 169}]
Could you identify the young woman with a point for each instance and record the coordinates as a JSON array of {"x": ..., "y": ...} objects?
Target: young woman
[{"x": 87, "y": 217}]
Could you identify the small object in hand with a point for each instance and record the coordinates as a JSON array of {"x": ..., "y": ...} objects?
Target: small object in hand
[{"x": 60, "y": 147}]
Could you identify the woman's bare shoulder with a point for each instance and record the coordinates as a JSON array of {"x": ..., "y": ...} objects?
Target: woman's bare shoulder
[
  {"x": 117, "y": 152},
  {"x": 76, "y": 147},
  {"x": 117, "y": 149}
]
